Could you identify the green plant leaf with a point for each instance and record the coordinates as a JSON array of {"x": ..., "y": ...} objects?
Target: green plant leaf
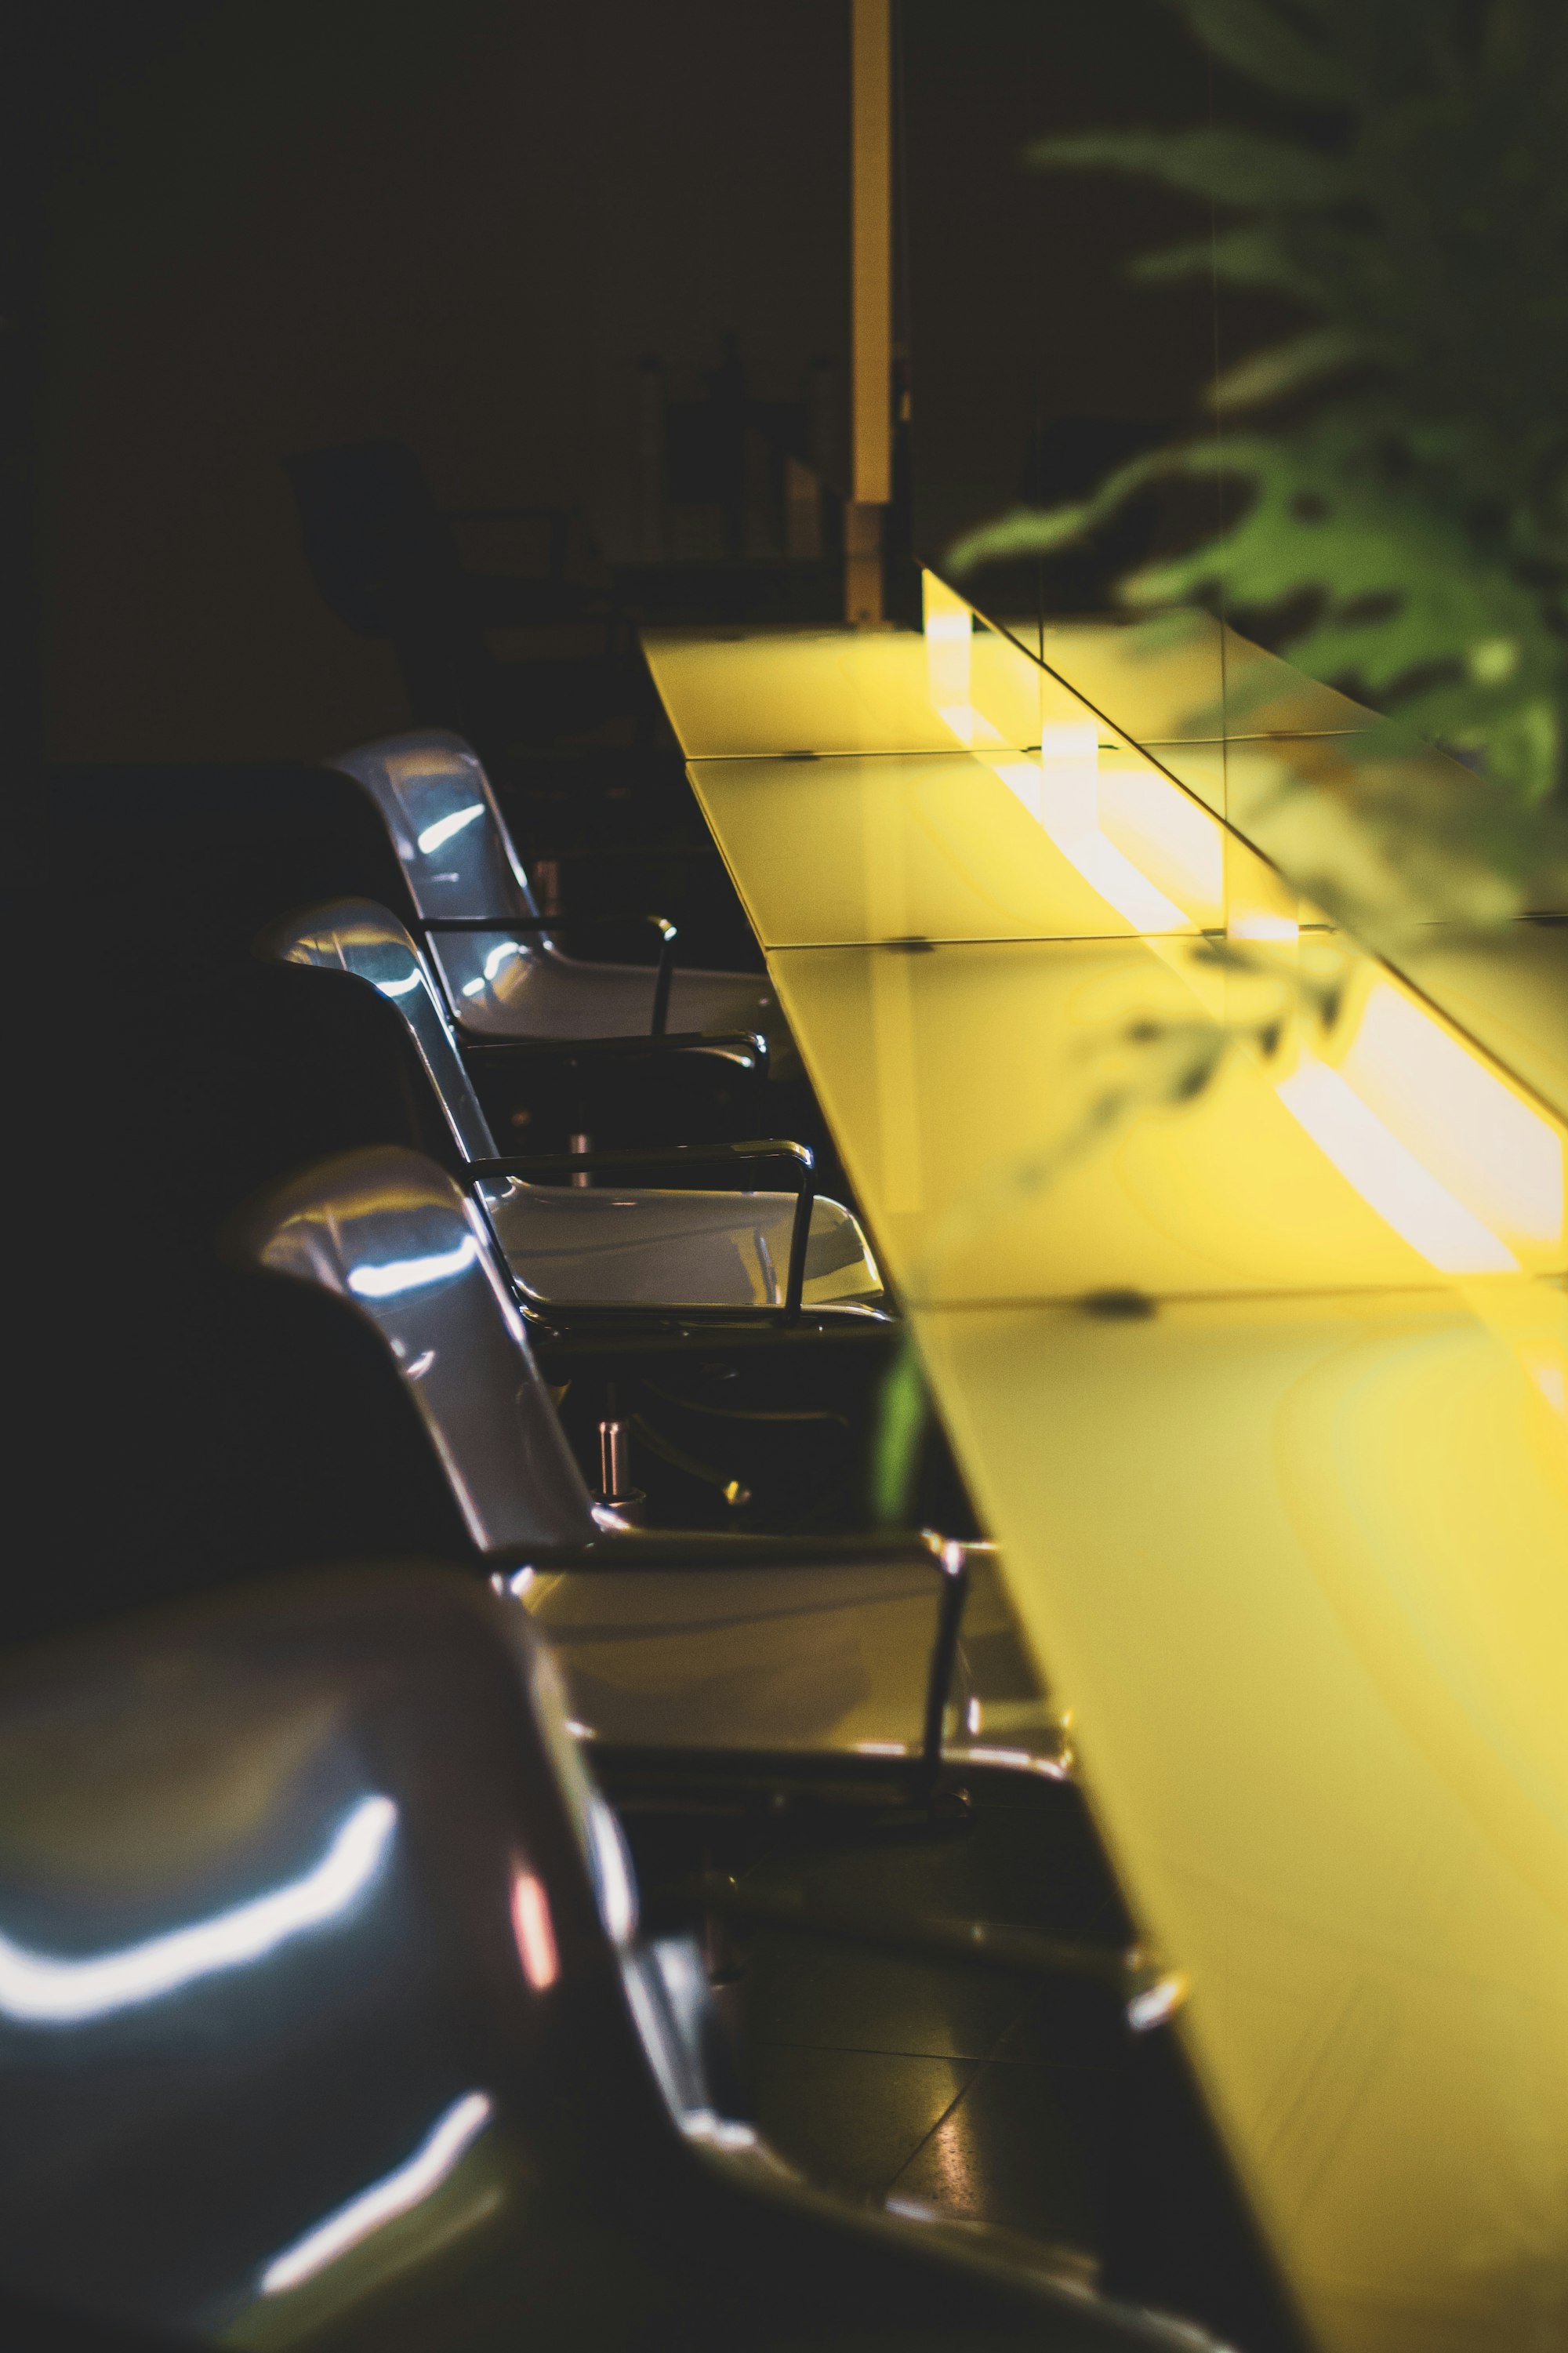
[
  {"x": 1256, "y": 40},
  {"x": 1250, "y": 256},
  {"x": 1289, "y": 368},
  {"x": 904, "y": 1411},
  {"x": 1233, "y": 167}
]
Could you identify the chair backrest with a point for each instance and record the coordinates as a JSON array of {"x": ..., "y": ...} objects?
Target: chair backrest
[
  {"x": 323, "y": 1857},
  {"x": 319, "y": 1955},
  {"x": 451, "y": 841},
  {"x": 390, "y": 1234},
  {"x": 368, "y": 943}
]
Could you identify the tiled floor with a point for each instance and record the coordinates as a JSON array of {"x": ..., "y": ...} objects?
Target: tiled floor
[
  {"x": 1021, "y": 2103},
  {"x": 941, "y": 2084}
]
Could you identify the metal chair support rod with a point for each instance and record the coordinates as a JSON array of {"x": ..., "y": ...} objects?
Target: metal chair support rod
[{"x": 1146, "y": 1994}]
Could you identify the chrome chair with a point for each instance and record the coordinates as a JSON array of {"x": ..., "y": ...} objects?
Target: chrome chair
[
  {"x": 324, "y": 1859},
  {"x": 503, "y": 972},
  {"x": 696, "y": 1643},
  {"x": 615, "y": 1247}
]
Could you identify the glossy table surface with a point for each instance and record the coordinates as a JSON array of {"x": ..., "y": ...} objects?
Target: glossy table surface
[{"x": 1260, "y": 1383}]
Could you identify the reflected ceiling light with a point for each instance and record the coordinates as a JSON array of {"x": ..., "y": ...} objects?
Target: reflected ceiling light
[
  {"x": 1156, "y": 2003},
  {"x": 44, "y": 1989},
  {"x": 401, "y": 1274},
  {"x": 1118, "y": 881},
  {"x": 1502, "y": 1159},
  {"x": 1168, "y": 836},
  {"x": 1388, "y": 1176},
  {"x": 1058, "y": 795},
  {"x": 445, "y": 828},
  {"x": 424, "y": 2171},
  {"x": 1258, "y": 924},
  {"x": 398, "y": 988},
  {"x": 970, "y": 726},
  {"x": 497, "y": 957}
]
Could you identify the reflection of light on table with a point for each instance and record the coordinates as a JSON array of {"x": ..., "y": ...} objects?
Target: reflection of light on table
[
  {"x": 948, "y": 632},
  {"x": 1443, "y": 1149},
  {"x": 1060, "y": 794},
  {"x": 982, "y": 687},
  {"x": 1502, "y": 1159},
  {"x": 1389, "y": 1178}
]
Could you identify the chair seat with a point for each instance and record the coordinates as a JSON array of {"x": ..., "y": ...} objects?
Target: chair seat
[
  {"x": 831, "y": 1658},
  {"x": 502, "y": 987},
  {"x": 593, "y": 1247}
]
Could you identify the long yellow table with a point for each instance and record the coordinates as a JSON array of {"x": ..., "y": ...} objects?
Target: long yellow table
[{"x": 1262, "y": 1390}]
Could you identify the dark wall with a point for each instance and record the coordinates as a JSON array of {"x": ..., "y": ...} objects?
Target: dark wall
[
  {"x": 457, "y": 222},
  {"x": 276, "y": 223},
  {"x": 1035, "y": 359}
]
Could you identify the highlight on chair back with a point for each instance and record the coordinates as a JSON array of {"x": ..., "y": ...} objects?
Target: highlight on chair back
[
  {"x": 848, "y": 1646},
  {"x": 502, "y": 969},
  {"x": 617, "y": 1247},
  {"x": 320, "y": 1861}
]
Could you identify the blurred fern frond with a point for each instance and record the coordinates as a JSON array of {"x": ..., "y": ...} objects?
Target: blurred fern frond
[{"x": 1412, "y": 499}]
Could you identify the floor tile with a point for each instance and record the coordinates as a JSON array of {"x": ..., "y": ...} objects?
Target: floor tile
[
  {"x": 805, "y": 1993},
  {"x": 1003, "y": 2153},
  {"x": 852, "y": 2119}
]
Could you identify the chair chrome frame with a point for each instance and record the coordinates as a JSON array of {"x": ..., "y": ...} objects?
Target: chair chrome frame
[
  {"x": 325, "y": 1857},
  {"x": 367, "y": 943},
  {"x": 477, "y": 913},
  {"x": 392, "y": 1236}
]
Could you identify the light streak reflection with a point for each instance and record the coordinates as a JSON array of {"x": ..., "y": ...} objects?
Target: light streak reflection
[
  {"x": 46, "y": 1989},
  {"x": 433, "y": 835},
  {"x": 382, "y": 2203},
  {"x": 1389, "y": 1178},
  {"x": 401, "y": 1274}
]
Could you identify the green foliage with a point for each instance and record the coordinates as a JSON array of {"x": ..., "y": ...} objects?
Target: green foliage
[
  {"x": 903, "y": 1412},
  {"x": 1411, "y": 495}
]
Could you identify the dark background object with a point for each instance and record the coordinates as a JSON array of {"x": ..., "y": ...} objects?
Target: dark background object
[{"x": 590, "y": 260}]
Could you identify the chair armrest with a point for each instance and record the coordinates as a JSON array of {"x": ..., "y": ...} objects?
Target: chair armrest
[
  {"x": 798, "y": 1158},
  {"x": 1145, "y": 1993},
  {"x": 725, "y": 1548},
  {"x": 744, "y": 1047},
  {"x": 650, "y": 1155}
]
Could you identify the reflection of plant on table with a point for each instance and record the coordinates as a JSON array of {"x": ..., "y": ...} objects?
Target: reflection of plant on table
[
  {"x": 1288, "y": 1000},
  {"x": 1406, "y": 453},
  {"x": 1402, "y": 528}
]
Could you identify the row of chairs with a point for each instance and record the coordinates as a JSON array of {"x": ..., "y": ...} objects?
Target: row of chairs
[
  {"x": 331, "y": 2010},
  {"x": 840, "y": 1645}
]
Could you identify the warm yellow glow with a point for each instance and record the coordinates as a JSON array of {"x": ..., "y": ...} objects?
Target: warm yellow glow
[
  {"x": 1478, "y": 1137},
  {"x": 1294, "y": 1541},
  {"x": 1167, "y": 834},
  {"x": 1061, "y": 793},
  {"x": 949, "y": 630},
  {"x": 970, "y": 726},
  {"x": 1302, "y": 1564},
  {"x": 1260, "y": 905},
  {"x": 1388, "y": 1176}
]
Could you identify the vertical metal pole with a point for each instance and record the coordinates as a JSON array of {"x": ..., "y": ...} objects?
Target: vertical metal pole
[{"x": 872, "y": 306}]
